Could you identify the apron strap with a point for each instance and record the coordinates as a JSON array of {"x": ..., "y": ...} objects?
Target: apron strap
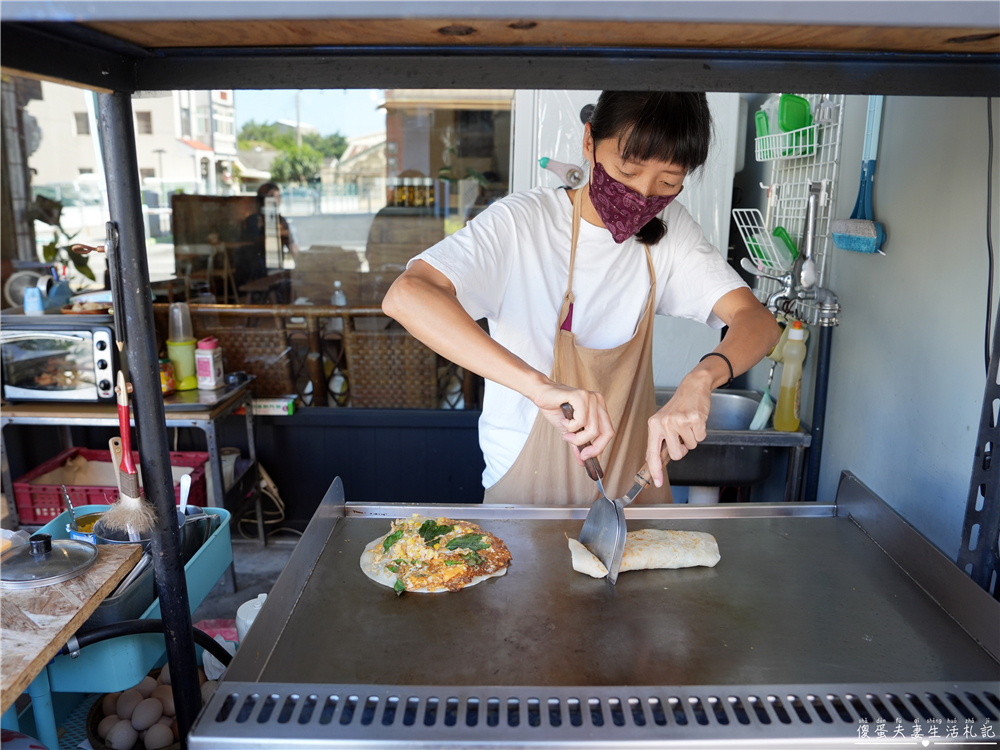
[{"x": 565, "y": 320}]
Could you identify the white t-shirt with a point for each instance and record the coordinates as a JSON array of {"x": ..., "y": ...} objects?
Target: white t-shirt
[{"x": 510, "y": 265}]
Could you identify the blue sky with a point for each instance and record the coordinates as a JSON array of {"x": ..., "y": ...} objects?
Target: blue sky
[{"x": 349, "y": 111}]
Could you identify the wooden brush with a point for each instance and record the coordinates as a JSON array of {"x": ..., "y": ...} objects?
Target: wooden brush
[{"x": 130, "y": 512}]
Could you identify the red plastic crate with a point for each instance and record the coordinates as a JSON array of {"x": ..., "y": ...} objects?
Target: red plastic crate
[{"x": 40, "y": 503}]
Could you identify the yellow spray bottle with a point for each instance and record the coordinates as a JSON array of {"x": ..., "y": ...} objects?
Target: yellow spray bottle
[{"x": 786, "y": 415}]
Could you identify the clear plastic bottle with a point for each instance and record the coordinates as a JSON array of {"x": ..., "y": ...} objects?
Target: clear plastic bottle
[
  {"x": 338, "y": 299},
  {"x": 786, "y": 415}
]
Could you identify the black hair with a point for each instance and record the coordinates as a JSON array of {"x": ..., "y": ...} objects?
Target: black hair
[
  {"x": 263, "y": 191},
  {"x": 662, "y": 125}
]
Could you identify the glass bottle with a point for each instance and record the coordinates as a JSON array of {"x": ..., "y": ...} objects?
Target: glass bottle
[
  {"x": 419, "y": 192},
  {"x": 429, "y": 192},
  {"x": 390, "y": 191}
]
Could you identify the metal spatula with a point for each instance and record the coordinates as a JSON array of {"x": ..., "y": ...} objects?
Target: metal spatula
[{"x": 604, "y": 531}]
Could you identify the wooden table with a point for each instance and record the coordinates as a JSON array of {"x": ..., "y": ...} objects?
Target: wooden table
[{"x": 36, "y": 623}]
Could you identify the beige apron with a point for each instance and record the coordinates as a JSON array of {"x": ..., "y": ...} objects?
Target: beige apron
[{"x": 546, "y": 472}]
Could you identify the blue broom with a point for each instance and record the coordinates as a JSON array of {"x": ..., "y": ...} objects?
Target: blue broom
[{"x": 861, "y": 233}]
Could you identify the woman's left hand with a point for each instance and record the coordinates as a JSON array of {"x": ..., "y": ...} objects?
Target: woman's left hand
[{"x": 681, "y": 423}]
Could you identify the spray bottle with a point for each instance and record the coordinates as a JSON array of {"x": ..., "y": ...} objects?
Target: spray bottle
[{"x": 786, "y": 415}]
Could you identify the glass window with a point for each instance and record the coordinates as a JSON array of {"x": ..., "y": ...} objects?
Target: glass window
[
  {"x": 203, "y": 118},
  {"x": 144, "y": 123},
  {"x": 82, "y": 123}
]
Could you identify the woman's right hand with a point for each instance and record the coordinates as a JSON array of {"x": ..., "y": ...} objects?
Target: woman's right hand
[{"x": 590, "y": 422}]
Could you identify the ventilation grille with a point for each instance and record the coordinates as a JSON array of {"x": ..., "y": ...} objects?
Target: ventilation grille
[{"x": 261, "y": 715}]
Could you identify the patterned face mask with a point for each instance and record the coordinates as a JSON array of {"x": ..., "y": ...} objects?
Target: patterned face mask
[{"x": 623, "y": 210}]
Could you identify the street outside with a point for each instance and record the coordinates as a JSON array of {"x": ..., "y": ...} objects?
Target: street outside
[{"x": 349, "y": 231}]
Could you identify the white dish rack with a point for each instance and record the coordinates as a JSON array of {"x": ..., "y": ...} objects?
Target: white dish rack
[
  {"x": 788, "y": 190},
  {"x": 794, "y": 144}
]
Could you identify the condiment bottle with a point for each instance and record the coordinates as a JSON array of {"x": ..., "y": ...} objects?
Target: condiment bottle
[
  {"x": 390, "y": 191},
  {"x": 181, "y": 346},
  {"x": 208, "y": 361},
  {"x": 429, "y": 192},
  {"x": 167, "y": 383},
  {"x": 786, "y": 415},
  {"x": 419, "y": 192}
]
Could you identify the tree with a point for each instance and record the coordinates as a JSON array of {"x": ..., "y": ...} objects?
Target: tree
[
  {"x": 253, "y": 133},
  {"x": 296, "y": 164},
  {"x": 329, "y": 145}
]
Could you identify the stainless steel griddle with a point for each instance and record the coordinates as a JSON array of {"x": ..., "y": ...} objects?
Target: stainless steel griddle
[{"x": 817, "y": 616}]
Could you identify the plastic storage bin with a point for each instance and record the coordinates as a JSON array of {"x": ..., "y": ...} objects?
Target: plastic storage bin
[
  {"x": 136, "y": 599},
  {"x": 40, "y": 503},
  {"x": 120, "y": 663}
]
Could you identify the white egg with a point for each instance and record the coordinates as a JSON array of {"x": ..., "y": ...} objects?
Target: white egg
[
  {"x": 109, "y": 702},
  {"x": 164, "y": 678},
  {"x": 127, "y": 702},
  {"x": 146, "y": 686},
  {"x": 147, "y": 713},
  {"x": 122, "y": 736},
  {"x": 165, "y": 695},
  {"x": 208, "y": 690},
  {"x": 105, "y": 726},
  {"x": 158, "y": 736}
]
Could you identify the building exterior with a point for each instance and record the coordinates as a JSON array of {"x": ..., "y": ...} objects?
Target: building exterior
[
  {"x": 450, "y": 134},
  {"x": 359, "y": 173},
  {"x": 184, "y": 140}
]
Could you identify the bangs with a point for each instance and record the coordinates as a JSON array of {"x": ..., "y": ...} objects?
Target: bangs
[{"x": 661, "y": 126}]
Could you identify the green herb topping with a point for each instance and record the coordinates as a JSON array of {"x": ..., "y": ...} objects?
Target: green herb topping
[
  {"x": 468, "y": 541},
  {"x": 391, "y": 540},
  {"x": 399, "y": 587},
  {"x": 431, "y": 532},
  {"x": 473, "y": 558}
]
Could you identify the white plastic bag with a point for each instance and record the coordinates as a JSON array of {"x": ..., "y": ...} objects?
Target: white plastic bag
[{"x": 213, "y": 667}]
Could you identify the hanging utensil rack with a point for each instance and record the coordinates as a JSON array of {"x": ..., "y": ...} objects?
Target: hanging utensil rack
[{"x": 796, "y": 161}]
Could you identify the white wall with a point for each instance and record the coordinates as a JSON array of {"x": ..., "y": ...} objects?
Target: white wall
[
  {"x": 908, "y": 372},
  {"x": 61, "y": 153},
  {"x": 547, "y": 123}
]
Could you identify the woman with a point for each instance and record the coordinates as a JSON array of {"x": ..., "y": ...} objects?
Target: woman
[
  {"x": 250, "y": 260},
  {"x": 569, "y": 282}
]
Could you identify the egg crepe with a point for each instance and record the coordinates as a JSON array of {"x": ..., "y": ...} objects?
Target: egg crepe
[
  {"x": 434, "y": 555},
  {"x": 647, "y": 549}
]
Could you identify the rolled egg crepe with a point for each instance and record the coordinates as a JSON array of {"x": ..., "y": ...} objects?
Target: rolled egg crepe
[{"x": 648, "y": 549}]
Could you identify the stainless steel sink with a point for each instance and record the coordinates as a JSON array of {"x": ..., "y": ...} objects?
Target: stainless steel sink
[{"x": 732, "y": 454}]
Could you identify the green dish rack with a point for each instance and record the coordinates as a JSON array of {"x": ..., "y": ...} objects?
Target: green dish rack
[{"x": 119, "y": 663}]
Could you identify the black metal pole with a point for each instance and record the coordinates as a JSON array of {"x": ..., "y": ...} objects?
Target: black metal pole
[
  {"x": 122, "y": 173},
  {"x": 819, "y": 412}
]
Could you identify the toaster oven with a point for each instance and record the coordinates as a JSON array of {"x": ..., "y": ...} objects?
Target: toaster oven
[{"x": 58, "y": 361}]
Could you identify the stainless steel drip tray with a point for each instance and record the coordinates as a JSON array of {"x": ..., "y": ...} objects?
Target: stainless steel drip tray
[
  {"x": 793, "y": 600},
  {"x": 273, "y": 715}
]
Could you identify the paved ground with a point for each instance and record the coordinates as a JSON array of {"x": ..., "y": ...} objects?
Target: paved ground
[{"x": 257, "y": 568}]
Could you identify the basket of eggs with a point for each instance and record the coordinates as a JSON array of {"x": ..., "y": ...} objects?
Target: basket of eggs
[{"x": 142, "y": 717}]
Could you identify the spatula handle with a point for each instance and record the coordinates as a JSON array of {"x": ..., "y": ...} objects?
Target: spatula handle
[
  {"x": 643, "y": 475},
  {"x": 592, "y": 465}
]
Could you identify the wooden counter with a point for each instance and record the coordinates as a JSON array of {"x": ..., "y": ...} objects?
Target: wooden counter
[{"x": 36, "y": 623}]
